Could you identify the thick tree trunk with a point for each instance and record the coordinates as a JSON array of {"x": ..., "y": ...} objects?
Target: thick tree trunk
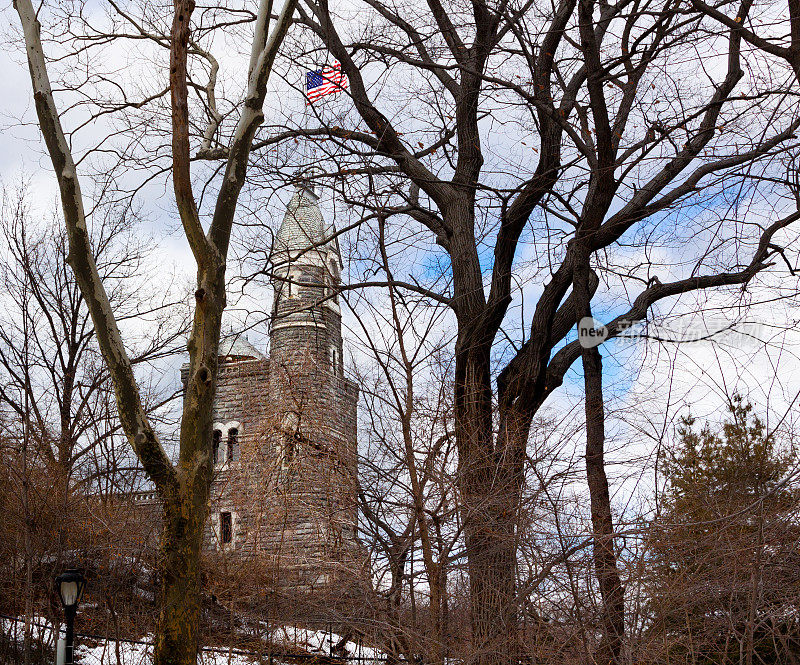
[
  {"x": 492, "y": 574},
  {"x": 185, "y": 508},
  {"x": 605, "y": 557},
  {"x": 489, "y": 516},
  {"x": 179, "y": 594}
]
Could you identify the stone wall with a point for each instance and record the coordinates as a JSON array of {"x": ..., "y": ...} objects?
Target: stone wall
[{"x": 292, "y": 490}]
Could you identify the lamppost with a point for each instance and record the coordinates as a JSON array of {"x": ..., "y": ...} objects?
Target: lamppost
[{"x": 70, "y": 585}]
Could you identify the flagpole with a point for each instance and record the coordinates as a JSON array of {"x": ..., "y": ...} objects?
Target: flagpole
[
  {"x": 306, "y": 114},
  {"x": 310, "y": 155},
  {"x": 313, "y": 163}
]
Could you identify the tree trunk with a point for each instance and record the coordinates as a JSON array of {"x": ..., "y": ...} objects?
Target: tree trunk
[
  {"x": 185, "y": 507},
  {"x": 605, "y": 558},
  {"x": 492, "y": 574},
  {"x": 489, "y": 516},
  {"x": 179, "y": 593},
  {"x": 612, "y": 618}
]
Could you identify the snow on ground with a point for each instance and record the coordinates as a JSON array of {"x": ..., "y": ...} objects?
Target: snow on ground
[
  {"x": 106, "y": 652},
  {"x": 311, "y": 641},
  {"x": 132, "y": 653},
  {"x": 40, "y": 627},
  {"x": 320, "y": 642}
]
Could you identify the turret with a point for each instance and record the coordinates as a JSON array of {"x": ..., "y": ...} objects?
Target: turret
[
  {"x": 306, "y": 277},
  {"x": 285, "y": 428}
]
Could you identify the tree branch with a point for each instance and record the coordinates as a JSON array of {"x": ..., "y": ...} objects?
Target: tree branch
[{"x": 131, "y": 412}]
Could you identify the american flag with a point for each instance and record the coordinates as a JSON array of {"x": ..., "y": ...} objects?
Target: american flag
[{"x": 325, "y": 81}]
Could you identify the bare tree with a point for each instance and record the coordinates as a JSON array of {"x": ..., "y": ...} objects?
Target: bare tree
[
  {"x": 55, "y": 393},
  {"x": 408, "y": 491},
  {"x": 54, "y": 379},
  {"x": 182, "y": 486},
  {"x": 615, "y": 148}
]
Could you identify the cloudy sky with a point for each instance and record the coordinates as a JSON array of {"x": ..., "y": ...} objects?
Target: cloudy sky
[{"x": 652, "y": 382}]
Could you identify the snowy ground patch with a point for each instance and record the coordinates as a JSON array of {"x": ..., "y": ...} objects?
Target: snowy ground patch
[
  {"x": 285, "y": 639},
  {"x": 291, "y": 638}
]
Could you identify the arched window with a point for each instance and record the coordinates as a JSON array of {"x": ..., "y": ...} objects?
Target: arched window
[
  {"x": 216, "y": 440},
  {"x": 233, "y": 445}
]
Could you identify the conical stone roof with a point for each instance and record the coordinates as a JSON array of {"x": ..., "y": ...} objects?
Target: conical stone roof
[{"x": 303, "y": 227}]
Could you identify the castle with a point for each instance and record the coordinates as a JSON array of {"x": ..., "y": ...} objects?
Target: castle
[{"x": 284, "y": 491}]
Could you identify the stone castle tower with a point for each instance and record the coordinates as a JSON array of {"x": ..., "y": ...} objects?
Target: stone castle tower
[{"x": 284, "y": 491}]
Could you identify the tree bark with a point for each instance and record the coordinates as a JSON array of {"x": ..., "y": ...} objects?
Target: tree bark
[
  {"x": 177, "y": 637},
  {"x": 605, "y": 558},
  {"x": 612, "y": 615},
  {"x": 489, "y": 514}
]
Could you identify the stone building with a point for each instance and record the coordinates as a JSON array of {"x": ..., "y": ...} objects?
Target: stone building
[{"x": 284, "y": 491}]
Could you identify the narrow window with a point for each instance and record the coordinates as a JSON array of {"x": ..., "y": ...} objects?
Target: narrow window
[
  {"x": 233, "y": 445},
  {"x": 334, "y": 278},
  {"x": 289, "y": 450},
  {"x": 334, "y": 366},
  {"x": 331, "y": 292},
  {"x": 216, "y": 441},
  {"x": 292, "y": 290},
  {"x": 225, "y": 528}
]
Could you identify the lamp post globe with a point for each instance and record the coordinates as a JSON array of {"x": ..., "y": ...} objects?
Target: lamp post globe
[{"x": 70, "y": 585}]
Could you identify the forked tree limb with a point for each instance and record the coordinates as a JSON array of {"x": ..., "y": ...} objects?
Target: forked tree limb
[
  {"x": 204, "y": 253},
  {"x": 263, "y": 53},
  {"x": 748, "y": 35},
  {"x": 567, "y": 355}
]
